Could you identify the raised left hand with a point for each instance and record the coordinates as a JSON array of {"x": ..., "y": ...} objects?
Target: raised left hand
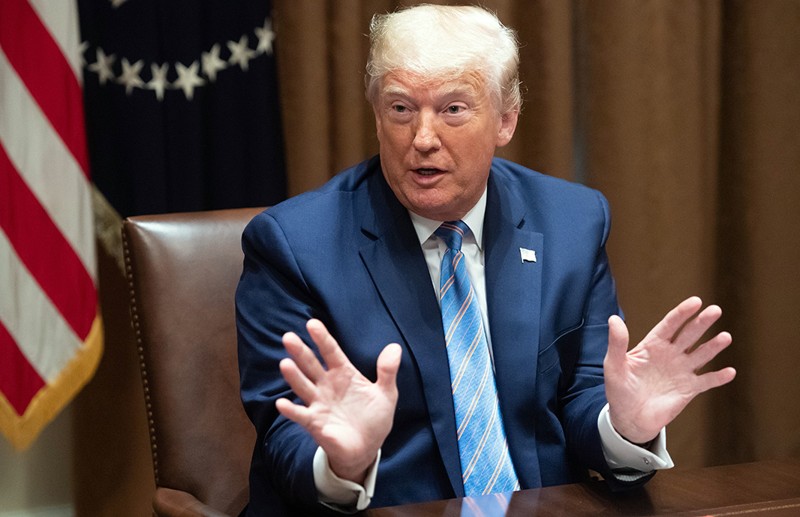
[{"x": 648, "y": 386}]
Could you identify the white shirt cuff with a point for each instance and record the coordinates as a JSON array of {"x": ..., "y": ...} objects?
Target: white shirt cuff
[
  {"x": 340, "y": 494},
  {"x": 623, "y": 455}
]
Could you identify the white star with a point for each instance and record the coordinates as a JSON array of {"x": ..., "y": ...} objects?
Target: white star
[
  {"x": 241, "y": 54},
  {"x": 130, "y": 75},
  {"x": 102, "y": 67},
  {"x": 265, "y": 37},
  {"x": 159, "y": 82},
  {"x": 212, "y": 63},
  {"x": 188, "y": 79}
]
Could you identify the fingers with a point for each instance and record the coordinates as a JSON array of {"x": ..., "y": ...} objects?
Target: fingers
[
  {"x": 328, "y": 347},
  {"x": 684, "y": 326},
  {"x": 300, "y": 383},
  {"x": 703, "y": 354},
  {"x": 304, "y": 357},
  {"x": 294, "y": 412},
  {"x": 388, "y": 365},
  {"x": 668, "y": 327},
  {"x": 617, "y": 341},
  {"x": 696, "y": 327},
  {"x": 304, "y": 371},
  {"x": 715, "y": 379}
]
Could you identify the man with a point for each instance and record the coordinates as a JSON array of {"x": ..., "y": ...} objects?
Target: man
[{"x": 388, "y": 249}]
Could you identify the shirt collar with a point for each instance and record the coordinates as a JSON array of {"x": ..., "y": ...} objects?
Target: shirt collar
[{"x": 474, "y": 219}]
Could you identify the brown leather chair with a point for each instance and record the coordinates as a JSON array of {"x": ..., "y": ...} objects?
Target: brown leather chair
[{"x": 182, "y": 271}]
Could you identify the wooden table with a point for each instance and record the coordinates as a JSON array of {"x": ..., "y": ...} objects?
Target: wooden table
[{"x": 768, "y": 488}]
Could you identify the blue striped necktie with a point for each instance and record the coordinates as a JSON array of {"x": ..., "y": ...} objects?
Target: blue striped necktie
[{"x": 485, "y": 462}]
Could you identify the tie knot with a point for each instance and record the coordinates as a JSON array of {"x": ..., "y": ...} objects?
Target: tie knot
[{"x": 452, "y": 232}]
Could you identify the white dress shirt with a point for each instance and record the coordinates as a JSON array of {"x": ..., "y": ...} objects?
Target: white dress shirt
[{"x": 619, "y": 452}]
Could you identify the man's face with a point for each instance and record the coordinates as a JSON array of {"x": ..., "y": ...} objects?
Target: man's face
[{"x": 437, "y": 140}]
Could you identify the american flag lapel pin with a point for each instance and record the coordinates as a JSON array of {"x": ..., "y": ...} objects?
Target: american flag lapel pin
[{"x": 527, "y": 255}]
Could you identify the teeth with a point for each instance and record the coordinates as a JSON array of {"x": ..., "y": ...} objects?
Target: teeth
[{"x": 427, "y": 171}]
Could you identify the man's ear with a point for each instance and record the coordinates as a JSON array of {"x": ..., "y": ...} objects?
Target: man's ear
[
  {"x": 377, "y": 122},
  {"x": 508, "y": 124}
]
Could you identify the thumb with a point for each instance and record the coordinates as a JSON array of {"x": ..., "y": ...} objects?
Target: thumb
[
  {"x": 388, "y": 365},
  {"x": 617, "y": 342}
]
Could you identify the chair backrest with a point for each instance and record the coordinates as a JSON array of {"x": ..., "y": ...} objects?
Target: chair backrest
[{"x": 182, "y": 271}]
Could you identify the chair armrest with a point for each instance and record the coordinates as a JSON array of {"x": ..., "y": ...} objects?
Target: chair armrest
[{"x": 168, "y": 502}]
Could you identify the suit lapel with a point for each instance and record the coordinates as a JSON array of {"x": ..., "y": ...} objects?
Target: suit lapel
[
  {"x": 513, "y": 297},
  {"x": 397, "y": 266}
]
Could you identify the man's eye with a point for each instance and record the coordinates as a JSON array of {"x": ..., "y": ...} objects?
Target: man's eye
[
  {"x": 399, "y": 108},
  {"x": 455, "y": 109}
]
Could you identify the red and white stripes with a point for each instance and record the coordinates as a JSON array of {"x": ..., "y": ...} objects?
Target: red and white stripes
[{"x": 50, "y": 332}]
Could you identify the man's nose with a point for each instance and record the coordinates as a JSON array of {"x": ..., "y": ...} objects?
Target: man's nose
[{"x": 426, "y": 138}]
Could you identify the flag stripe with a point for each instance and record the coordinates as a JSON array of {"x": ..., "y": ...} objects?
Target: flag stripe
[
  {"x": 43, "y": 337},
  {"x": 50, "y": 328},
  {"x": 38, "y": 59},
  {"x": 61, "y": 19},
  {"x": 19, "y": 382},
  {"x": 30, "y": 230},
  {"x": 46, "y": 166}
]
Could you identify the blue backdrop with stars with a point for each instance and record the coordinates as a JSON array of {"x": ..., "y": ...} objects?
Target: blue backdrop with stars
[{"x": 182, "y": 106}]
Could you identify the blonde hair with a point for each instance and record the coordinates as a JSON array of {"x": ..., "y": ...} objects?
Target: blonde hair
[{"x": 443, "y": 43}]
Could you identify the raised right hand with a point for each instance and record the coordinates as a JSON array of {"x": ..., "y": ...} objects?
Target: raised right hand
[{"x": 346, "y": 414}]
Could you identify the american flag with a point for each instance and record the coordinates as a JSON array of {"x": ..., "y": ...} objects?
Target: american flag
[{"x": 50, "y": 328}]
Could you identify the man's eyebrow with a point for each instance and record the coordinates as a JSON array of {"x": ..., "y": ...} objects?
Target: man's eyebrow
[
  {"x": 444, "y": 91},
  {"x": 395, "y": 91},
  {"x": 457, "y": 88}
]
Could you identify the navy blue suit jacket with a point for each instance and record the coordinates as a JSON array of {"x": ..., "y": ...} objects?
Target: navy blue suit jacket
[{"x": 348, "y": 255}]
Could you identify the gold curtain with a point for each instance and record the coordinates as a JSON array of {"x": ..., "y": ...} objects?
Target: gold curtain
[{"x": 683, "y": 112}]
